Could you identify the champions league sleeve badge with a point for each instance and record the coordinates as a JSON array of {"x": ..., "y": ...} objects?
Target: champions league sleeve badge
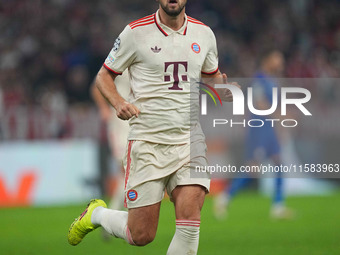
[{"x": 116, "y": 44}]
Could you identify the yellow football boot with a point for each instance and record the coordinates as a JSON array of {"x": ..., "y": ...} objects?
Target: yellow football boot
[{"x": 83, "y": 225}]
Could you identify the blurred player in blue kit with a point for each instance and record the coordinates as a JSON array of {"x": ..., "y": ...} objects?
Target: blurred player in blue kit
[{"x": 261, "y": 143}]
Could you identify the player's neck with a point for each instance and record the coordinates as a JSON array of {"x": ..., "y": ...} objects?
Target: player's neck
[{"x": 175, "y": 23}]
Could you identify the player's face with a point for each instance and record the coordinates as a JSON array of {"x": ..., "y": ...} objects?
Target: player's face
[
  {"x": 172, "y": 7},
  {"x": 276, "y": 62}
]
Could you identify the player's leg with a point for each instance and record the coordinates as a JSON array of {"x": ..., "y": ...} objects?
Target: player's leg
[
  {"x": 143, "y": 223},
  {"x": 223, "y": 199},
  {"x": 188, "y": 201},
  {"x": 253, "y": 152},
  {"x": 187, "y": 194},
  {"x": 272, "y": 150},
  {"x": 138, "y": 226},
  {"x": 279, "y": 210},
  {"x": 278, "y": 197},
  {"x": 236, "y": 185}
]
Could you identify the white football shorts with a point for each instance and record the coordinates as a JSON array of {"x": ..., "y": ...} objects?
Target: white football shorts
[{"x": 151, "y": 168}]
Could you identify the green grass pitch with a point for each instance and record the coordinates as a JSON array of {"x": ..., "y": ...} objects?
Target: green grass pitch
[{"x": 247, "y": 230}]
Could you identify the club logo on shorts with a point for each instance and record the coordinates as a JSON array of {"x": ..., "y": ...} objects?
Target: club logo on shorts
[
  {"x": 196, "y": 48},
  {"x": 132, "y": 195}
]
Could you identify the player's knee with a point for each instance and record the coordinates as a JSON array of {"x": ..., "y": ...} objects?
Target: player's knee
[
  {"x": 190, "y": 209},
  {"x": 143, "y": 238},
  {"x": 190, "y": 214}
]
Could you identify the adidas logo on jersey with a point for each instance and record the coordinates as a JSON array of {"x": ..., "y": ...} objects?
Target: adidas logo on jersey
[{"x": 156, "y": 49}]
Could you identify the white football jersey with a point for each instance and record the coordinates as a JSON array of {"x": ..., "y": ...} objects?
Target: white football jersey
[{"x": 161, "y": 63}]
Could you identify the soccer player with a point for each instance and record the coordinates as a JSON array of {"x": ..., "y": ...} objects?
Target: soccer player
[
  {"x": 261, "y": 143},
  {"x": 162, "y": 52}
]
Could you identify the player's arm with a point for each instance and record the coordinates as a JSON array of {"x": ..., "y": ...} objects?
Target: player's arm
[
  {"x": 121, "y": 56},
  {"x": 219, "y": 78},
  {"x": 104, "y": 108},
  {"x": 106, "y": 85},
  {"x": 209, "y": 73}
]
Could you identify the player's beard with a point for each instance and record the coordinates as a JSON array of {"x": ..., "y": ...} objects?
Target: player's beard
[{"x": 172, "y": 12}]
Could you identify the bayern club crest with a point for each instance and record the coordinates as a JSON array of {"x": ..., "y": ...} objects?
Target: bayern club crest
[
  {"x": 196, "y": 48},
  {"x": 132, "y": 195}
]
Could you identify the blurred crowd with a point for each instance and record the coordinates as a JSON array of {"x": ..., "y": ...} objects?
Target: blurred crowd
[{"x": 50, "y": 50}]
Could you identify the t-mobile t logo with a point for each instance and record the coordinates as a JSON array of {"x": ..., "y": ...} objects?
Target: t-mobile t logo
[{"x": 175, "y": 73}]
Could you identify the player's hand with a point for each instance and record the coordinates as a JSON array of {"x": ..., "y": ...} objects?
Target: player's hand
[
  {"x": 226, "y": 94},
  {"x": 126, "y": 111}
]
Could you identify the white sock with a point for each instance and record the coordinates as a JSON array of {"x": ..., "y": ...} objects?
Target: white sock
[
  {"x": 113, "y": 221},
  {"x": 186, "y": 238}
]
